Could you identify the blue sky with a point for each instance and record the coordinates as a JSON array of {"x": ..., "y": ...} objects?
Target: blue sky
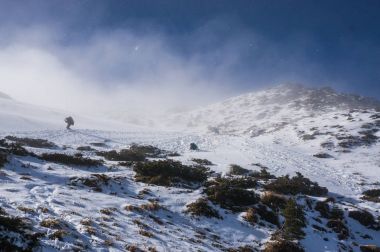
[{"x": 229, "y": 47}]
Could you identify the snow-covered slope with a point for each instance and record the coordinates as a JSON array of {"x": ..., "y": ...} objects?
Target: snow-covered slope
[
  {"x": 19, "y": 116},
  {"x": 330, "y": 138},
  {"x": 269, "y": 110}
]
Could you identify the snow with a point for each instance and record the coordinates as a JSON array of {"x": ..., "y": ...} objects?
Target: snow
[{"x": 277, "y": 144}]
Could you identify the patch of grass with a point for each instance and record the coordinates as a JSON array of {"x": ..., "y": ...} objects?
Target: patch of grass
[
  {"x": 58, "y": 234},
  {"x": 231, "y": 193},
  {"x": 51, "y": 223},
  {"x": 296, "y": 185},
  {"x": 170, "y": 173},
  {"x": 145, "y": 233},
  {"x": 151, "y": 206},
  {"x": 251, "y": 216},
  {"x": 31, "y": 142},
  {"x": 107, "y": 211},
  {"x": 70, "y": 160},
  {"x": 26, "y": 209},
  {"x": 282, "y": 246},
  {"x": 201, "y": 208}
]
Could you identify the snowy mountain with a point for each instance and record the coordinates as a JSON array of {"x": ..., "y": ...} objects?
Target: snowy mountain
[
  {"x": 144, "y": 189},
  {"x": 271, "y": 109}
]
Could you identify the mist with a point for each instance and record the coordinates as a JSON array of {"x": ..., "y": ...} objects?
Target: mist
[{"x": 133, "y": 73}]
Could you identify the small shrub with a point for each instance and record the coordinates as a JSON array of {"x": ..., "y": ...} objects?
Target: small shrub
[
  {"x": 58, "y": 234},
  {"x": 193, "y": 146},
  {"x": 339, "y": 227},
  {"x": 85, "y": 148},
  {"x": 274, "y": 201},
  {"x": 231, "y": 193},
  {"x": 237, "y": 170},
  {"x": 170, "y": 173},
  {"x": 262, "y": 174},
  {"x": 107, "y": 211},
  {"x": 323, "y": 155},
  {"x": 145, "y": 233},
  {"x": 95, "y": 181},
  {"x": 16, "y": 234},
  {"x": 70, "y": 160},
  {"x": 323, "y": 208},
  {"x": 267, "y": 215},
  {"x": 50, "y": 223},
  {"x": 151, "y": 206},
  {"x": 308, "y": 137},
  {"x": 296, "y": 185},
  {"x": 201, "y": 208},
  {"x": 14, "y": 148},
  {"x": 31, "y": 142},
  {"x": 363, "y": 217},
  {"x": 3, "y": 159},
  {"x": 122, "y": 155},
  {"x": 294, "y": 221},
  {"x": 283, "y": 246},
  {"x": 369, "y": 248},
  {"x": 372, "y": 195},
  {"x": 202, "y": 161},
  {"x": 251, "y": 216}
]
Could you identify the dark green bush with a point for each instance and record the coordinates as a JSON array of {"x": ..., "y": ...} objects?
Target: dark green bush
[
  {"x": 232, "y": 193},
  {"x": 31, "y": 142},
  {"x": 16, "y": 234},
  {"x": 237, "y": 170},
  {"x": 262, "y": 174},
  {"x": 273, "y": 201},
  {"x": 202, "y": 161},
  {"x": 267, "y": 215},
  {"x": 363, "y": 217},
  {"x": 3, "y": 158},
  {"x": 170, "y": 173},
  {"x": 14, "y": 148},
  {"x": 294, "y": 221},
  {"x": 122, "y": 155},
  {"x": 193, "y": 146},
  {"x": 70, "y": 160},
  {"x": 296, "y": 185},
  {"x": 372, "y": 195},
  {"x": 339, "y": 227},
  {"x": 201, "y": 208}
]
